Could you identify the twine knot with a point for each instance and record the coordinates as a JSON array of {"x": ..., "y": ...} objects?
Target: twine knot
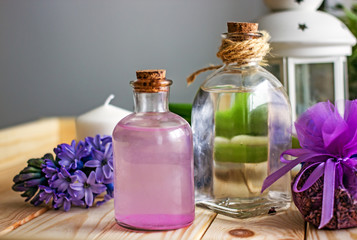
[{"x": 239, "y": 52}]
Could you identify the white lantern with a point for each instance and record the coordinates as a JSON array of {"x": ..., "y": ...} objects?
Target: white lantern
[{"x": 309, "y": 50}]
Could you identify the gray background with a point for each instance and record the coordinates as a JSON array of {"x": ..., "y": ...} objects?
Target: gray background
[{"x": 64, "y": 57}]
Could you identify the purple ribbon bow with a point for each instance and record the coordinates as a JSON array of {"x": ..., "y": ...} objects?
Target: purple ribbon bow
[{"x": 329, "y": 145}]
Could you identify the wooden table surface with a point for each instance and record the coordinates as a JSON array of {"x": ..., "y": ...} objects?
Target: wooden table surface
[{"x": 20, "y": 220}]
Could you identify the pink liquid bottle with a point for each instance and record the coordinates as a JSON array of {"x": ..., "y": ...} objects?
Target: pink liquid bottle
[{"x": 153, "y": 160}]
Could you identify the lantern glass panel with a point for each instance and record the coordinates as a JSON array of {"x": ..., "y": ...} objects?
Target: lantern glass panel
[{"x": 314, "y": 83}]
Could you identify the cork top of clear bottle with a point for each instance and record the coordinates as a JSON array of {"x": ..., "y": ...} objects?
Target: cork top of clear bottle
[
  {"x": 151, "y": 81},
  {"x": 240, "y": 31}
]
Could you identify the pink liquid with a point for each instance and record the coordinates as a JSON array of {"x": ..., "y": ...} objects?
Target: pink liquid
[{"x": 153, "y": 167}]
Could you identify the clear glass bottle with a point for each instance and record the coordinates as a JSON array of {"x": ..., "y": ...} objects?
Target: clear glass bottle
[
  {"x": 153, "y": 160},
  {"x": 241, "y": 121}
]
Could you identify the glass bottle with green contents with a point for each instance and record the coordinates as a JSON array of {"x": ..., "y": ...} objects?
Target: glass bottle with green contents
[{"x": 241, "y": 124}]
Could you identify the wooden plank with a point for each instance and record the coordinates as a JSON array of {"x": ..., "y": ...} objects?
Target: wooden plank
[
  {"x": 78, "y": 223},
  {"x": 19, "y": 141},
  {"x": 203, "y": 219},
  {"x": 43, "y": 134},
  {"x": 99, "y": 223},
  {"x": 16, "y": 212},
  {"x": 312, "y": 233},
  {"x": 17, "y": 145},
  {"x": 67, "y": 130},
  {"x": 287, "y": 225}
]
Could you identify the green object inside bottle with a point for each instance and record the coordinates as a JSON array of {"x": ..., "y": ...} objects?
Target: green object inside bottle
[
  {"x": 241, "y": 149},
  {"x": 241, "y": 132}
]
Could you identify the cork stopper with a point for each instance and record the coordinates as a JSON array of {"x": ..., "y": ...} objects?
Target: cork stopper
[
  {"x": 242, "y": 27},
  {"x": 241, "y": 31},
  {"x": 151, "y": 74},
  {"x": 151, "y": 81}
]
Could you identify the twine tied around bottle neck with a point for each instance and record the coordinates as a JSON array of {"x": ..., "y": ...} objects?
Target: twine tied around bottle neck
[{"x": 239, "y": 52}]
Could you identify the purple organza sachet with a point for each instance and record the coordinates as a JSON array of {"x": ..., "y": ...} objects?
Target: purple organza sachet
[{"x": 325, "y": 189}]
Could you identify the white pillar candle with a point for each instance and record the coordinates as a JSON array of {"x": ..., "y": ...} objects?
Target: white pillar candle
[{"x": 101, "y": 120}]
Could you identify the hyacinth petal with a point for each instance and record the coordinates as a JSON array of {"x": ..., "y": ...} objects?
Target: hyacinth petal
[
  {"x": 58, "y": 203},
  {"x": 78, "y": 195},
  {"x": 110, "y": 163},
  {"x": 65, "y": 162},
  {"x": 73, "y": 144},
  {"x": 64, "y": 173},
  {"x": 91, "y": 178},
  {"x": 46, "y": 197},
  {"x": 97, "y": 141},
  {"x": 67, "y": 152},
  {"x": 98, "y": 155},
  {"x": 92, "y": 163},
  {"x": 108, "y": 150},
  {"x": 73, "y": 178},
  {"x": 81, "y": 177},
  {"x": 74, "y": 164},
  {"x": 49, "y": 172},
  {"x": 56, "y": 183},
  {"x": 66, "y": 205},
  {"x": 63, "y": 186},
  {"x": 77, "y": 186},
  {"x": 106, "y": 140},
  {"x": 108, "y": 180},
  {"x": 93, "y": 142},
  {"x": 71, "y": 192},
  {"x": 99, "y": 176},
  {"x": 106, "y": 198},
  {"x": 107, "y": 171},
  {"x": 98, "y": 188},
  {"x": 77, "y": 202},
  {"x": 88, "y": 140},
  {"x": 88, "y": 196}
]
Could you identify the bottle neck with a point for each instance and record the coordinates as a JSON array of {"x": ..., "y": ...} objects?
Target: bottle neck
[
  {"x": 246, "y": 64},
  {"x": 151, "y": 102}
]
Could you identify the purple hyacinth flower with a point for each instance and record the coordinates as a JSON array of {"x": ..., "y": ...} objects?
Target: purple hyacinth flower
[
  {"x": 107, "y": 197},
  {"x": 85, "y": 187},
  {"x": 94, "y": 143},
  {"x": 46, "y": 194},
  {"x": 97, "y": 142},
  {"x": 70, "y": 155},
  {"x": 50, "y": 169},
  {"x": 66, "y": 201},
  {"x": 106, "y": 139},
  {"x": 103, "y": 162},
  {"x": 60, "y": 200},
  {"x": 62, "y": 183}
]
